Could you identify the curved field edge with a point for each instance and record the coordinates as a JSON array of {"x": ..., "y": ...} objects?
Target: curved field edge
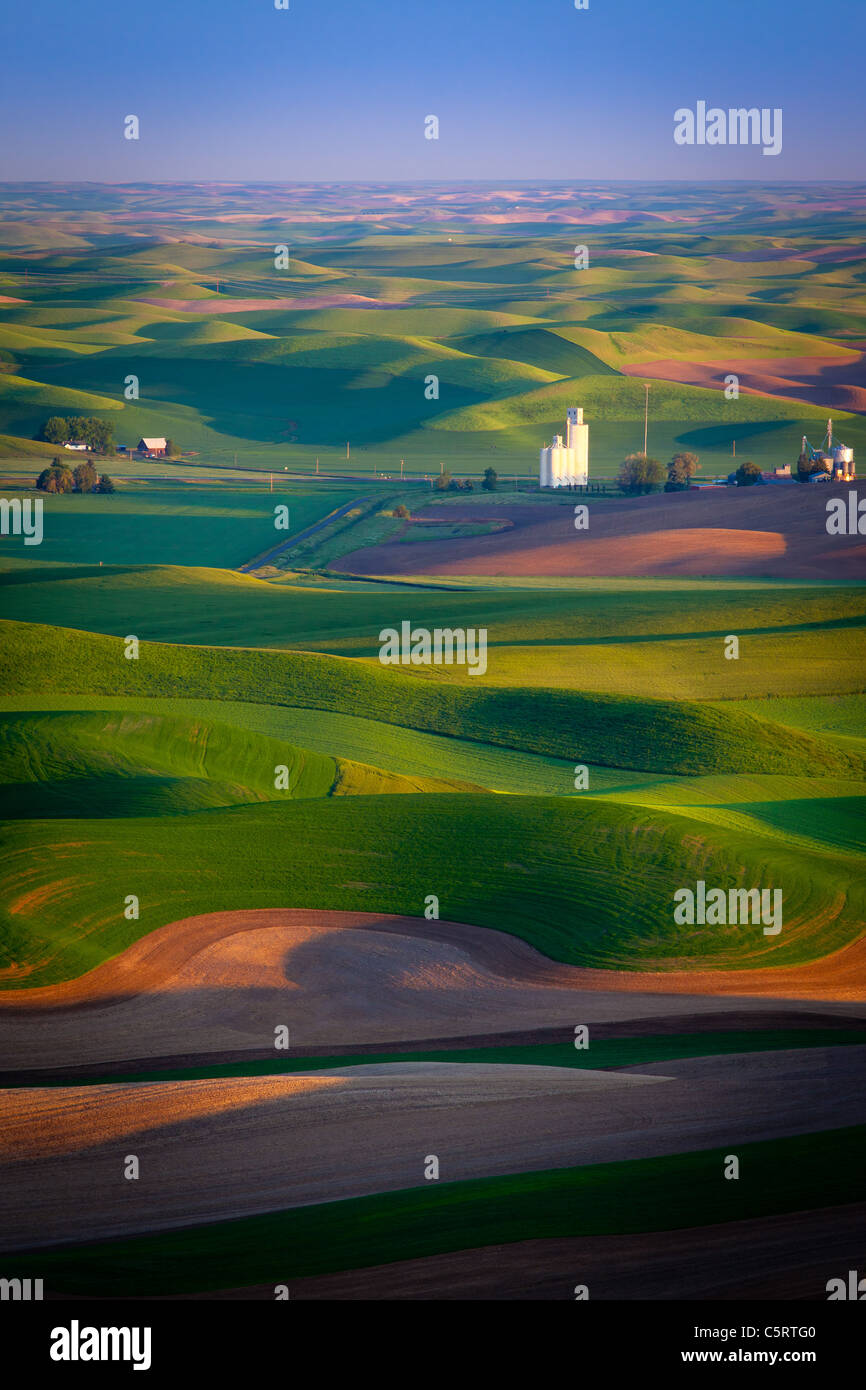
[
  {"x": 604, "y": 1054},
  {"x": 394, "y": 749},
  {"x": 112, "y": 763},
  {"x": 424, "y": 759},
  {"x": 333, "y": 614},
  {"x": 650, "y": 735},
  {"x": 675, "y": 1192},
  {"x": 584, "y": 881}
]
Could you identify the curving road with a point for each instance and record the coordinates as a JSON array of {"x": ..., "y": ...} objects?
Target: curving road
[{"x": 267, "y": 556}]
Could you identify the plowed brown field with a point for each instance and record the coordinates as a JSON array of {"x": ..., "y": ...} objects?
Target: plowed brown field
[{"x": 770, "y": 532}]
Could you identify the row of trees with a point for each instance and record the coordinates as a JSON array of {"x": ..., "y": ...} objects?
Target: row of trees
[
  {"x": 454, "y": 484},
  {"x": 96, "y": 434},
  {"x": 640, "y": 474},
  {"x": 445, "y": 483},
  {"x": 83, "y": 478}
]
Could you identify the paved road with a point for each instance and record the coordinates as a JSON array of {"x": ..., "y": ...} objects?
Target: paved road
[{"x": 267, "y": 557}]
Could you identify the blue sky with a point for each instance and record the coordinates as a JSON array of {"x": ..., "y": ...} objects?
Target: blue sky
[{"x": 338, "y": 89}]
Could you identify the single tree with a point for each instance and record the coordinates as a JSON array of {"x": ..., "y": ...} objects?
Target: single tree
[
  {"x": 442, "y": 482},
  {"x": 491, "y": 478},
  {"x": 171, "y": 450},
  {"x": 681, "y": 470},
  {"x": 85, "y": 477},
  {"x": 105, "y": 484},
  {"x": 55, "y": 430},
  {"x": 402, "y": 511},
  {"x": 747, "y": 474},
  {"x": 640, "y": 474}
]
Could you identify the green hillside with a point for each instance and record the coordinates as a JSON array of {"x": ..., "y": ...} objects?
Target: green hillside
[
  {"x": 499, "y": 315},
  {"x": 583, "y": 880},
  {"x": 179, "y": 602},
  {"x": 618, "y": 398},
  {"x": 124, "y": 763},
  {"x": 647, "y": 735},
  {"x": 404, "y": 752},
  {"x": 138, "y": 764},
  {"x": 172, "y": 523},
  {"x": 538, "y": 346}
]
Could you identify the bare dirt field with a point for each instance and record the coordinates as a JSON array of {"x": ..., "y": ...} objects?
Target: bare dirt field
[
  {"x": 216, "y": 1149},
  {"x": 218, "y": 984},
  {"x": 838, "y": 384},
  {"x": 769, "y": 1258},
  {"x": 774, "y": 531}
]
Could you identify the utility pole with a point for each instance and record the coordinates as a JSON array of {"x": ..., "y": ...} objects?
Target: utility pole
[
  {"x": 271, "y": 488},
  {"x": 401, "y": 470},
  {"x": 317, "y": 465},
  {"x": 733, "y": 448},
  {"x": 645, "y": 417},
  {"x": 347, "y": 450}
]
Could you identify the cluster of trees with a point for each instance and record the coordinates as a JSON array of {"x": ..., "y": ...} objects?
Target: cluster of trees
[
  {"x": 96, "y": 434},
  {"x": 61, "y": 478},
  {"x": 806, "y": 466},
  {"x": 445, "y": 483},
  {"x": 640, "y": 474}
]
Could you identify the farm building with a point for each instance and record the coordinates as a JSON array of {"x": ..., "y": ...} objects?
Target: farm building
[
  {"x": 152, "y": 446},
  {"x": 778, "y": 475},
  {"x": 567, "y": 465},
  {"x": 831, "y": 460}
]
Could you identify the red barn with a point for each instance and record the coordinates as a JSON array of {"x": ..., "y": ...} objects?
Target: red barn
[{"x": 156, "y": 447}]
